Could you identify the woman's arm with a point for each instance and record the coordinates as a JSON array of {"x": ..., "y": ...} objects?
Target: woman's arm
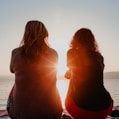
[{"x": 67, "y": 75}]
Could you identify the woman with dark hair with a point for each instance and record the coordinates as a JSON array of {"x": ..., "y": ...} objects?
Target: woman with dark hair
[
  {"x": 34, "y": 95},
  {"x": 86, "y": 96}
]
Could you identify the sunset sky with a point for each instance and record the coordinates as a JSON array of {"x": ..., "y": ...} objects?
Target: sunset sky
[{"x": 62, "y": 19}]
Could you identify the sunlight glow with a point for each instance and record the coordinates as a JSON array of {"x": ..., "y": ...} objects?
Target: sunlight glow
[
  {"x": 61, "y": 48},
  {"x": 61, "y": 68},
  {"x": 62, "y": 85}
]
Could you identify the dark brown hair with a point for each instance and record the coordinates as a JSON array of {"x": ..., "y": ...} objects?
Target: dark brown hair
[{"x": 85, "y": 38}]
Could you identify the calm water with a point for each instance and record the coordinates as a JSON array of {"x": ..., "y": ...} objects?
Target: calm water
[{"x": 6, "y": 84}]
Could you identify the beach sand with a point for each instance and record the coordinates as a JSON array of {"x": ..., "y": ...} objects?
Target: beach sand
[{"x": 1, "y": 111}]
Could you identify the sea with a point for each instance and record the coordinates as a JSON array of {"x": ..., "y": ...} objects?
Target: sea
[{"x": 6, "y": 83}]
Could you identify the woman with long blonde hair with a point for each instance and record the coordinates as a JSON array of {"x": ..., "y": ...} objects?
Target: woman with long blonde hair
[{"x": 34, "y": 95}]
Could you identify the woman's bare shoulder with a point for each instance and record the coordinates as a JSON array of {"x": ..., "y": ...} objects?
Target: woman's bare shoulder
[
  {"x": 72, "y": 52},
  {"x": 15, "y": 50}
]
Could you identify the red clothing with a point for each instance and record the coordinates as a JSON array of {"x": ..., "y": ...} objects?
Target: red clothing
[{"x": 79, "y": 113}]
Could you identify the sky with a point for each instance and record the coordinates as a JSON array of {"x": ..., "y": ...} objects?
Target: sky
[{"x": 62, "y": 19}]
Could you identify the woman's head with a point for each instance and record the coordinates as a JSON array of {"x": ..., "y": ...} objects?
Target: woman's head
[
  {"x": 85, "y": 38},
  {"x": 34, "y": 38}
]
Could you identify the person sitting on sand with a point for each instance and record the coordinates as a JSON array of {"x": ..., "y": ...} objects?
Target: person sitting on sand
[
  {"x": 34, "y": 95},
  {"x": 87, "y": 97}
]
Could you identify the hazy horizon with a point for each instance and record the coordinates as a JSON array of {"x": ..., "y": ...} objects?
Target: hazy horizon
[{"x": 107, "y": 75}]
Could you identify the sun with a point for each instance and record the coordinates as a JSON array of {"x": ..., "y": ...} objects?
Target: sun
[
  {"x": 61, "y": 67},
  {"x": 62, "y": 82},
  {"x": 61, "y": 47}
]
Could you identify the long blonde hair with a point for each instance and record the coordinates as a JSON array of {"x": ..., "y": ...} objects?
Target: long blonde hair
[{"x": 33, "y": 39}]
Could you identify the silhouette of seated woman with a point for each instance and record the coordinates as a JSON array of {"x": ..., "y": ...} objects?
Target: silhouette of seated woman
[
  {"x": 86, "y": 96},
  {"x": 34, "y": 95}
]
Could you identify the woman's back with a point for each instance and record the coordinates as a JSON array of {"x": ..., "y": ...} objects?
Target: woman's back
[
  {"x": 87, "y": 96},
  {"x": 35, "y": 93}
]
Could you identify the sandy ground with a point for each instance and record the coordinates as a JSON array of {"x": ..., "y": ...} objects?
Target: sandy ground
[{"x": 1, "y": 111}]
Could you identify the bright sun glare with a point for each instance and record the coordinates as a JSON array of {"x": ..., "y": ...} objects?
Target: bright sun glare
[
  {"x": 62, "y": 86},
  {"x": 61, "y": 69},
  {"x": 62, "y": 83}
]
